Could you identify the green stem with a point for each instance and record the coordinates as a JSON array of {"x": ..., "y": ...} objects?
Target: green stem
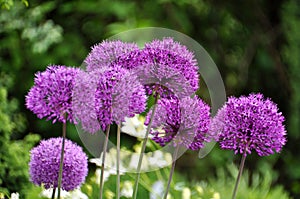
[
  {"x": 118, "y": 160},
  {"x": 103, "y": 161},
  {"x": 159, "y": 175},
  {"x": 144, "y": 184},
  {"x": 53, "y": 193},
  {"x": 172, "y": 171},
  {"x": 136, "y": 183},
  {"x": 240, "y": 173},
  {"x": 64, "y": 132}
]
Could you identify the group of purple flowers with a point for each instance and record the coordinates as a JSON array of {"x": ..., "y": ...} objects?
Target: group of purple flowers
[{"x": 117, "y": 81}]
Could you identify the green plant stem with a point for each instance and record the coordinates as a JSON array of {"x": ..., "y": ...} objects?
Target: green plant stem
[
  {"x": 103, "y": 161},
  {"x": 136, "y": 183},
  {"x": 118, "y": 160},
  {"x": 240, "y": 173},
  {"x": 172, "y": 171},
  {"x": 64, "y": 132},
  {"x": 144, "y": 183},
  {"x": 53, "y": 193}
]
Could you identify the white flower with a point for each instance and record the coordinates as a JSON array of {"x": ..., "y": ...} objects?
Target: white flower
[
  {"x": 157, "y": 160},
  {"x": 216, "y": 196},
  {"x": 134, "y": 126},
  {"x": 110, "y": 165},
  {"x": 98, "y": 175},
  {"x": 186, "y": 193},
  {"x": 14, "y": 196},
  {"x": 134, "y": 162},
  {"x": 127, "y": 189},
  {"x": 77, "y": 194},
  {"x": 47, "y": 193},
  {"x": 157, "y": 190},
  {"x": 111, "y": 161}
]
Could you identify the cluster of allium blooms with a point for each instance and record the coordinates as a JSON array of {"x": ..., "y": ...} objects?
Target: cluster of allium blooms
[
  {"x": 110, "y": 95},
  {"x": 115, "y": 85},
  {"x": 166, "y": 69},
  {"x": 185, "y": 122},
  {"x": 44, "y": 164},
  {"x": 250, "y": 123},
  {"x": 51, "y": 94}
]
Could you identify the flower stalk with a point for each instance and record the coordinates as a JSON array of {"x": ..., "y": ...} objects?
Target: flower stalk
[
  {"x": 172, "y": 171},
  {"x": 240, "y": 173},
  {"x": 64, "y": 132},
  {"x": 103, "y": 161},
  {"x": 53, "y": 193},
  {"x": 136, "y": 183},
  {"x": 118, "y": 160}
]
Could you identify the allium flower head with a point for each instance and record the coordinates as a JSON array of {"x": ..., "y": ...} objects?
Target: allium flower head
[
  {"x": 45, "y": 160},
  {"x": 184, "y": 122},
  {"x": 50, "y": 96},
  {"x": 102, "y": 97},
  {"x": 163, "y": 80},
  {"x": 103, "y": 54},
  {"x": 178, "y": 49},
  {"x": 161, "y": 64},
  {"x": 250, "y": 123},
  {"x": 171, "y": 53}
]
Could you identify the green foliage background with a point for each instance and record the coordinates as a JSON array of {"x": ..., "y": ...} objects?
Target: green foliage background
[{"x": 255, "y": 44}]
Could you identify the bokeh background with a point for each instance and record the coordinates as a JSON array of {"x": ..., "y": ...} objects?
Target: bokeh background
[{"x": 255, "y": 44}]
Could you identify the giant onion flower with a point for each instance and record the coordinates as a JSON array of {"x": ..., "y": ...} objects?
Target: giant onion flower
[
  {"x": 164, "y": 67},
  {"x": 250, "y": 123},
  {"x": 183, "y": 122},
  {"x": 44, "y": 164},
  {"x": 51, "y": 94},
  {"x": 108, "y": 95}
]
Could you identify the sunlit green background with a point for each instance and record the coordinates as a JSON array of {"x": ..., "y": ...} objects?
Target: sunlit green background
[{"x": 255, "y": 44}]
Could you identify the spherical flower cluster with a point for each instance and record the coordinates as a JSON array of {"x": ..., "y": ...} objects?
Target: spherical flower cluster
[
  {"x": 250, "y": 123},
  {"x": 45, "y": 160},
  {"x": 162, "y": 63},
  {"x": 51, "y": 95},
  {"x": 83, "y": 97},
  {"x": 102, "y": 97},
  {"x": 103, "y": 54},
  {"x": 163, "y": 80},
  {"x": 166, "y": 121},
  {"x": 185, "y": 122},
  {"x": 202, "y": 135},
  {"x": 171, "y": 53},
  {"x": 175, "y": 47}
]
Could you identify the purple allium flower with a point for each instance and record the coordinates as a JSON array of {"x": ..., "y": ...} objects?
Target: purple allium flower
[
  {"x": 163, "y": 80},
  {"x": 104, "y": 96},
  {"x": 175, "y": 47},
  {"x": 250, "y": 123},
  {"x": 171, "y": 53},
  {"x": 45, "y": 160},
  {"x": 83, "y": 97},
  {"x": 203, "y": 134},
  {"x": 163, "y": 63},
  {"x": 184, "y": 122},
  {"x": 50, "y": 96},
  {"x": 103, "y": 54}
]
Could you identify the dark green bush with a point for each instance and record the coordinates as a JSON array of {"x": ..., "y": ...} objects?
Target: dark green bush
[{"x": 14, "y": 154}]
